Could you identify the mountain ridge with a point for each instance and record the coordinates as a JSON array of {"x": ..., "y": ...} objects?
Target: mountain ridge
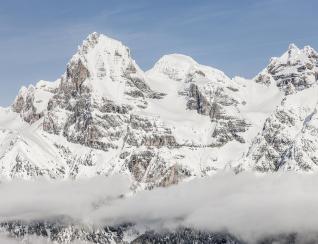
[{"x": 179, "y": 120}]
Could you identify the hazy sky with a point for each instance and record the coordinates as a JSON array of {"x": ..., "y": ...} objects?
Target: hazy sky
[{"x": 39, "y": 36}]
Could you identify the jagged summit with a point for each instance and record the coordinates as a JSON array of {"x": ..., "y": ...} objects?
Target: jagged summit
[
  {"x": 306, "y": 50},
  {"x": 32, "y": 101},
  {"x": 295, "y": 70},
  {"x": 101, "y": 54},
  {"x": 96, "y": 39},
  {"x": 295, "y": 55},
  {"x": 100, "y": 73},
  {"x": 292, "y": 46}
]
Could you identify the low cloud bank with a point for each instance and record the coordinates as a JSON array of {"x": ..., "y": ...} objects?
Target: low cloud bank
[
  {"x": 32, "y": 200},
  {"x": 246, "y": 205}
]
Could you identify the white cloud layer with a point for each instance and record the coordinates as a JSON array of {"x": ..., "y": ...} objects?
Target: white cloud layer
[
  {"x": 246, "y": 205},
  {"x": 29, "y": 200}
]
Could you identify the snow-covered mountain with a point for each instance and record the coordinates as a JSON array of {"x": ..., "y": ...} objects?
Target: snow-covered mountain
[
  {"x": 294, "y": 71},
  {"x": 177, "y": 121},
  {"x": 287, "y": 140}
]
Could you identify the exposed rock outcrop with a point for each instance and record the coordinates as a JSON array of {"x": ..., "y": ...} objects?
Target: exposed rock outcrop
[{"x": 295, "y": 70}]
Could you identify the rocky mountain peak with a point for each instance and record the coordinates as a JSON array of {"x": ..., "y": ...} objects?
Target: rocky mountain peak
[
  {"x": 31, "y": 102},
  {"x": 103, "y": 69},
  {"x": 295, "y": 70},
  {"x": 311, "y": 52},
  {"x": 292, "y": 46},
  {"x": 103, "y": 58},
  {"x": 103, "y": 43}
]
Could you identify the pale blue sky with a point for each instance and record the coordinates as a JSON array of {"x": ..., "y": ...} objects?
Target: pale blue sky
[{"x": 37, "y": 37}]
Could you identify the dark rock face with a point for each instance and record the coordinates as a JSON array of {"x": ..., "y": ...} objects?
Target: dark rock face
[
  {"x": 211, "y": 103},
  {"x": 77, "y": 73},
  {"x": 174, "y": 175},
  {"x": 199, "y": 102},
  {"x": 50, "y": 125},
  {"x": 144, "y": 131},
  {"x": 228, "y": 127},
  {"x": 138, "y": 164},
  {"x": 160, "y": 141},
  {"x": 110, "y": 107},
  {"x": 24, "y": 105},
  {"x": 75, "y": 98},
  {"x": 18, "y": 104},
  {"x": 149, "y": 168}
]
